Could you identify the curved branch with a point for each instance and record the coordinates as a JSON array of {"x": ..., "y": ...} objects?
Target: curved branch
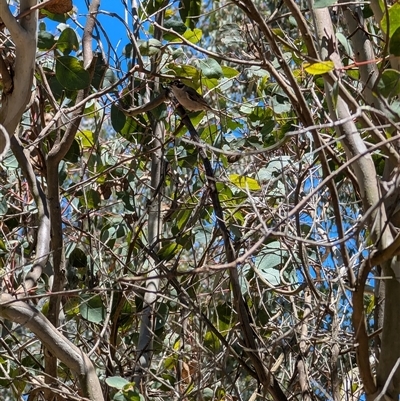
[
  {"x": 18, "y": 34},
  {"x": 24, "y": 36},
  {"x": 4, "y": 141},
  {"x": 43, "y": 236},
  {"x": 26, "y": 315}
]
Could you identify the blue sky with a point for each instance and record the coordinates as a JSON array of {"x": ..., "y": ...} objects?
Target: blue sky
[{"x": 114, "y": 28}]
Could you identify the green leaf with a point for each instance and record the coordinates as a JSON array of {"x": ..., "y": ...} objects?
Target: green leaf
[
  {"x": 176, "y": 26},
  {"x": 211, "y": 341},
  {"x": 68, "y": 41},
  {"x": 394, "y": 19},
  {"x": 182, "y": 217},
  {"x": 130, "y": 127},
  {"x": 345, "y": 43},
  {"x": 71, "y": 74},
  {"x": 319, "y": 68},
  {"x": 168, "y": 251},
  {"x": 45, "y": 40},
  {"x": 210, "y": 68},
  {"x": 86, "y": 138},
  {"x": 229, "y": 72},
  {"x": 9, "y": 161},
  {"x": 244, "y": 182},
  {"x": 269, "y": 260},
  {"x": 103, "y": 76},
  {"x": 193, "y": 36},
  {"x": 62, "y": 172},
  {"x": 131, "y": 394},
  {"x": 116, "y": 382},
  {"x": 280, "y": 107},
  {"x": 74, "y": 152},
  {"x": 91, "y": 199},
  {"x": 184, "y": 70},
  {"x": 92, "y": 308},
  {"x": 127, "y": 50},
  {"x": 389, "y": 84},
  {"x": 149, "y": 47},
  {"x": 274, "y": 168},
  {"x": 224, "y": 312},
  {"x": 55, "y": 17},
  {"x": 367, "y": 11},
  {"x": 189, "y": 10},
  {"x": 118, "y": 118},
  {"x": 257, "y": 72},
  {"x": 208, "y": 394},
  {"x": 323, "y": 3},
  {"x": 78, "y": 258},
  {"x": 3, "y": 209},
  {"x": 161, "y": 317},
  {"x": 394, "y": 46}
]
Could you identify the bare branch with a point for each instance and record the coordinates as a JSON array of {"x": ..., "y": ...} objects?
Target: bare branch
[{"x": 24, "y": 314}]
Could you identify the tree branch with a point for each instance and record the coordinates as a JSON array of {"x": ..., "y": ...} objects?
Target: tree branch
[
  {"x": 251, "y": 348},
  {"x": 26, "y": 315}
]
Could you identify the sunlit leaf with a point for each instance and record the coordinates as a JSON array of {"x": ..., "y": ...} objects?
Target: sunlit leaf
[
  {"x": 86, "y": 138},
  {"x": 229, "y": 72},
  {"x": 193, "y": 36},
  {"x": 116, "y": 382},
  {"x": 184, "y": 70},
  {"x": 394, "y": 19},
  {"x": 319, "y": 68},
  {"x": 244, "y": 182},
  {"x": 168, "y": 251},
  {"x": 211, "y": 341},
  {"x": 71, "y": 307}
]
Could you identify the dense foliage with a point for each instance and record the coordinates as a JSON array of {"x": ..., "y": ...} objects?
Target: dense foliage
[{"x": 213, "y": 255}]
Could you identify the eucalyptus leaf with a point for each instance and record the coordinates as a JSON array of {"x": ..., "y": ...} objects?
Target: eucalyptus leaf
[
  {"x": 210, "y": 68},
  {"x": 68, "y": 41},
  {"x": 92, "y": 308},
  {"x": 71, "y": 74}
]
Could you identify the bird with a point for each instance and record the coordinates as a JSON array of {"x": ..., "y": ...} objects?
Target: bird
[{"x": 188, "y": 98}]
